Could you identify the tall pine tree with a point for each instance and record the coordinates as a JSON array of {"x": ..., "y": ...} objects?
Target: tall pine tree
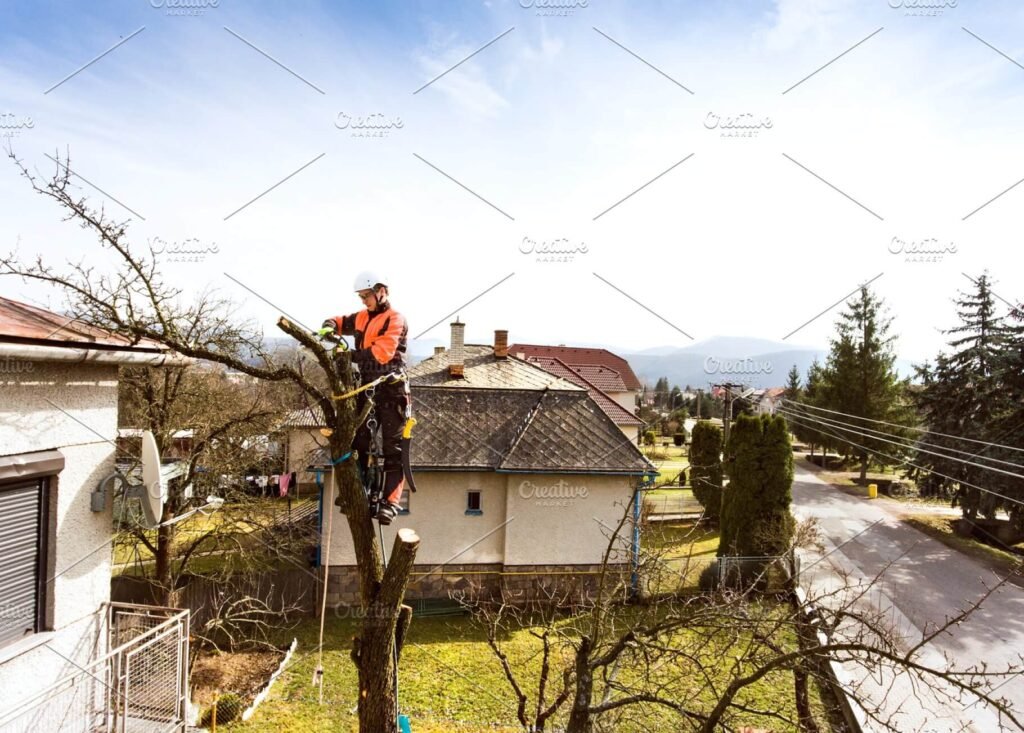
[
  {"x": 706, "y": 468},
  {"x": 861, "y": 381},
  {"x": 973, "y": 391}
]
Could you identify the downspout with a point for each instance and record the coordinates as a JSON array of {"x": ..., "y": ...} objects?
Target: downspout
[
  {"x": 319, "y": 515},
  {"x": 645, "y": 483}
]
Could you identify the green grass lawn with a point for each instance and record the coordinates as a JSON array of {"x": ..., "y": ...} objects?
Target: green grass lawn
[
  {"x": 235, "y": 519},
  {"x": 451, "y": 681}
]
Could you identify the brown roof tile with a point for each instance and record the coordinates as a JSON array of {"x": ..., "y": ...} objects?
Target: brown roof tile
[
  {"x": 575, "y": 355},
  {"x": 483, "y": 371},
  {"x": 619, "y": 414}
]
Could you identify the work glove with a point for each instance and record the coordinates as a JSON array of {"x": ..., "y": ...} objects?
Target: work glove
[{"x": 327, "y": 328}]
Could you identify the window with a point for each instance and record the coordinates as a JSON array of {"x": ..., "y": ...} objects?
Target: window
[
  {"x": 473, "y": 503},
  {"x": 24, "y": 536}
]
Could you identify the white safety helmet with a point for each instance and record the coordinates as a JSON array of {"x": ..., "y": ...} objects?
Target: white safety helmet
[{"x": 368, "y": 280}]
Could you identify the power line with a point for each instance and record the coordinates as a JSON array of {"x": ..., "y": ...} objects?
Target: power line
[
  {"x": 909, "y": 463},
  {"x": 909, "y": 427},
  {"x": 915, "y": 447}
]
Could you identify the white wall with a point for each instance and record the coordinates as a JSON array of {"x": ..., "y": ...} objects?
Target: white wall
[
  {"x": 437, "y": 511},
  {"x": 528, "y": 519},
  {"x": 560, "y": 520},
  {"x": 626, "y": 399},
  {"x": 80, "y": 422}
]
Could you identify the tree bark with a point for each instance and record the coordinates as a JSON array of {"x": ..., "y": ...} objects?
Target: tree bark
[
  {"x": 580, "y": 719},
  {"x": 378, "y": 644}
]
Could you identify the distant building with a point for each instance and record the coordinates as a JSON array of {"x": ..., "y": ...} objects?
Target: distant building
[{"x": 608, "y": 378}]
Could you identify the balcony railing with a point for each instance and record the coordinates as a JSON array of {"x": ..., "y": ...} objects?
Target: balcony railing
[{"x": 139, "y": 686}]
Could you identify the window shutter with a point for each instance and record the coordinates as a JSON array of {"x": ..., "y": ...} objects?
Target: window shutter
[{"x": 20, "y": 528}]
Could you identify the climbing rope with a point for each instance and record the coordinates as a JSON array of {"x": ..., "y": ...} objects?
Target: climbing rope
[
  {"x": 393, "y": 376},
  {"x": 318, "y": 673}
]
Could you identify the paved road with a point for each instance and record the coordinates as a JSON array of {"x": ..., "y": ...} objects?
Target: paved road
[{"x": 927, "y": 582}]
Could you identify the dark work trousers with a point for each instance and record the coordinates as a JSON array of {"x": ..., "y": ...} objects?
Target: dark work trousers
[{"x": 390, "y": 401}]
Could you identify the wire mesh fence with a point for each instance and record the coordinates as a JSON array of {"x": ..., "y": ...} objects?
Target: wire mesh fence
[
  {"x": 138, "y": 686},
  {"x": 685, "y": 575}
]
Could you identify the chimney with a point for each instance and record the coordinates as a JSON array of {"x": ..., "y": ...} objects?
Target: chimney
[
  {"x": 456, "y": 359},
  {"x": 438, "y": 350},
  {"x": 501, "y": 344}
]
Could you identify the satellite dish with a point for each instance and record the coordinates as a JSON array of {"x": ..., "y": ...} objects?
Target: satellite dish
[
  {"x": 154, "y": 486},
  {"x": 152, "y": 492}
]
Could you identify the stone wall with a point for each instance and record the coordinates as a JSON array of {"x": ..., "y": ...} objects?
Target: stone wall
[{"x": 517, "y": 583}]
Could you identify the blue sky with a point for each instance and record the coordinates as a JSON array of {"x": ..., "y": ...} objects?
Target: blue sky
[{"x": 551, "y": 125}]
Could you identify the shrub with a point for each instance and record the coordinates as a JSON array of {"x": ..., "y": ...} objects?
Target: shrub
[
  {"x": 756, "y": 520},
  {"x": 706, "y": 468},
  {"x": 709, "y": 580},
  {"x": 649, "y": 437},
  {"x": 679, "y": 438},
  {"x": 229, "y": 708}
]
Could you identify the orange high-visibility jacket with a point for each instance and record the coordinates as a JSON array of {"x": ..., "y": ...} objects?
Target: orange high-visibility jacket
[{"x": 383, "y": 333}]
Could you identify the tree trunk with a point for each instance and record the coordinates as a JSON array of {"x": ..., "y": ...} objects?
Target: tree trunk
[
  {"x": 163, "y": 590},
  {"x": 863, "y": 467},
  {"x": 580, "y": 719}
]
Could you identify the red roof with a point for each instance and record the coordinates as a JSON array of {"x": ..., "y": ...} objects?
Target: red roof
[
  {"x": 602, "y": 377},
  {"x": 24, "y": 323},
  {"x": 576, "y": 356},
  {"x": 619, "y": 414}
]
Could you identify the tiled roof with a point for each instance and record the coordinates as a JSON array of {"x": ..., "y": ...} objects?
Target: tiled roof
[
  {"x": 498, "y": 429},
  {"x": 24, "y": 323},
  {"x": 619, "y": 414},
  {"x": 307, "y": 417},
  {"x": 573, "y": 356},
  {"x": 483, "y": 371},
  {"x": 602, "y": 377},
  {"x": 550, "y": 431}
]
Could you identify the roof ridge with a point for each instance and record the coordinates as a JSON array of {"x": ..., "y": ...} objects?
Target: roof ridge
[{"x": 524, "y": 427}]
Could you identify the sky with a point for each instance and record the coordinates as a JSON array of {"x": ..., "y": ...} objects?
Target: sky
[{"x": 297, "y": 144}]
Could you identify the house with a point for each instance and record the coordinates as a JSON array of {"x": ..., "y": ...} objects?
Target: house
[
  {"x": 767, "y": 400},
  {"x": 521, "y": 476},
  {"x": 60, "y": 637},
  {"x": 608, "y": 371}
]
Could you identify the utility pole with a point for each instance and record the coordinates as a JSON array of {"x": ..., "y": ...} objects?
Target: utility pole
[
  {"x": 727, "y": 408},
  {"x": 699, "y": 390}
]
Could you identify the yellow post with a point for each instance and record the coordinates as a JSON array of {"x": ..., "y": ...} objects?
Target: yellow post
[{"x": 872, "y": 491}]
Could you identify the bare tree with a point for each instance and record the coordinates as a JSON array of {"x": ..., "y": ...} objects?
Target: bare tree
[
  {"x": 138, "y": 304},
  {"x": 226, "y": 423}
]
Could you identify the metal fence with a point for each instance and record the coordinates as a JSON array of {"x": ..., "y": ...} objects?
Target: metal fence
[
  {"x": 139, "y": 686},
  {"x": 685, "y": 575}
]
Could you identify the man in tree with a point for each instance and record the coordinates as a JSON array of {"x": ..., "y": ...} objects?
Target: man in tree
[{"x": 380, "y": 342}]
